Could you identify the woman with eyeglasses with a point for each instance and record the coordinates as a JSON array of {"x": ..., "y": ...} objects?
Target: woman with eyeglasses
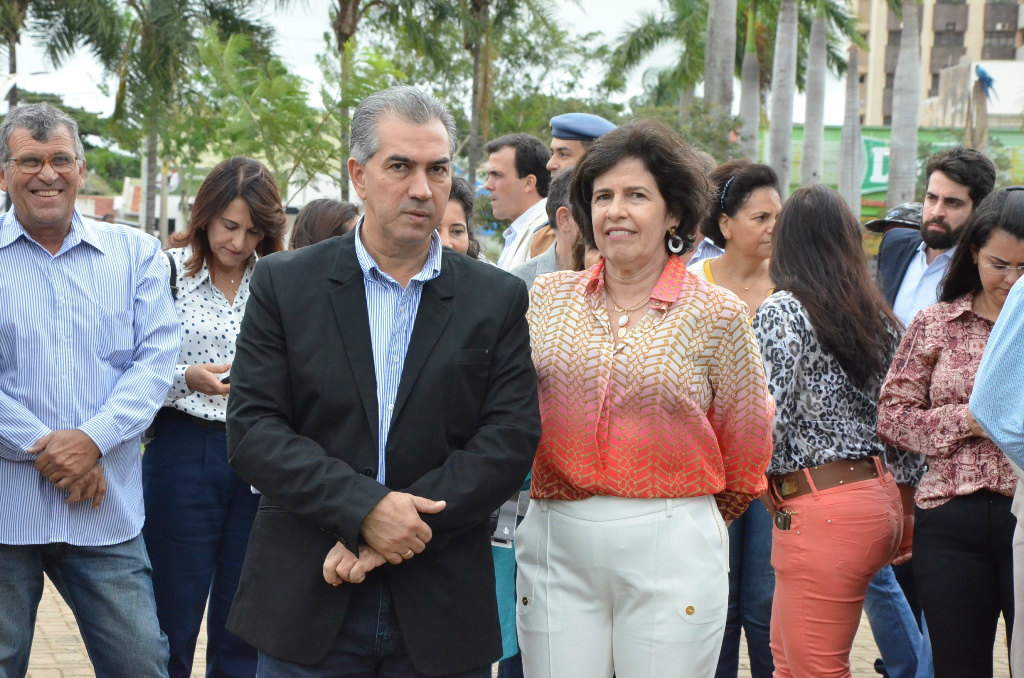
[
  {"x": 963, "y": 561},
  {"x": 198, "y": 511}
]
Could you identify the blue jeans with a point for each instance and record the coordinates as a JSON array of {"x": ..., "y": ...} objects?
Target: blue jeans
[
  {"x": 369, "y": 645},
  {"x": 109, "y": 590},
  {"x": 198, "y": 517},
  {"x": 903, "y": 646},
  {"x": 751, "y": 588}
]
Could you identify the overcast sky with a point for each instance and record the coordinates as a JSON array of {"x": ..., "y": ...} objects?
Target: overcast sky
[{"x": 299, "y": 40}]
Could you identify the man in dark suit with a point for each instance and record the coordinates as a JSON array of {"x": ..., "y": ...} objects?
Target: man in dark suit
[
  {"x": 911, "y": 263},
  {"x": 385, "y": 404}
]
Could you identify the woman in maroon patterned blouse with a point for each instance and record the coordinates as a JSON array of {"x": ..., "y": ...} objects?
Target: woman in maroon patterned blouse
[{"x": 962, "y": 540}]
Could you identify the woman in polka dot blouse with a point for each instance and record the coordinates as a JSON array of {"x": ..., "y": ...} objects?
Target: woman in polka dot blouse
[{"x": 198, "y": 511}]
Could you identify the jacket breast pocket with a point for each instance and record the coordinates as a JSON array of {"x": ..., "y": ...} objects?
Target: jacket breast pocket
[
  {"x": 472, "y": 356},
  {"x": 115, "y": 337}
]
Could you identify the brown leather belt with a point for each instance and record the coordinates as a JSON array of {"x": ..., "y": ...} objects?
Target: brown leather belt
[{"x": 833, "y": 474}]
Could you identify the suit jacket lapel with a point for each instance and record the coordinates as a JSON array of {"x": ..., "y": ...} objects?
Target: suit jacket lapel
[
  {"x": 431, "y": 319},
  {"x": 348, "y": 299}
]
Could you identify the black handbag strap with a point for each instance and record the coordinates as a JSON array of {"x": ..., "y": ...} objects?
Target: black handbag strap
[{"x": 174, "y": 275}]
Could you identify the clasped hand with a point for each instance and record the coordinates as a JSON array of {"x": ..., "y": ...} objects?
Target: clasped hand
[
  {"x": 394, "y": 532},
  {"x": 70, "y": 460}
]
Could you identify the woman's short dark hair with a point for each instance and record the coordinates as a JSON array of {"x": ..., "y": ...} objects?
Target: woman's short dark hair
[
  {"x": 237, "y": 177},
  {"x": 818, "y": 256},
  {"x": 322, "y": 219},
  {"x": 675, "y": 166},
  {"x": 1002, "y": 210},
  {"x": 734, "y": 182},
  {"x": 463, "y": 194}
]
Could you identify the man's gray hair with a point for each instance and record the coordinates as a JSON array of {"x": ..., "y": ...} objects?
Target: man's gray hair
[
  {"x": 41, "y": 120},
  {"x": 404, "y": 102}
]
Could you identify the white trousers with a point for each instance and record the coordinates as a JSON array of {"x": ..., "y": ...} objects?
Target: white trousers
[{"x": 638, "y": 587}]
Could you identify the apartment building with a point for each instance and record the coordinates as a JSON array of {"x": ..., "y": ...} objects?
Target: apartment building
[{"x": 982, "y": 30}]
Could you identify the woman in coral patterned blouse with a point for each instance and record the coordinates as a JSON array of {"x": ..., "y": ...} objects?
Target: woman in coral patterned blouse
[
  {"x": 963, "y": 535},
  {"x": 656, "y": 429}
]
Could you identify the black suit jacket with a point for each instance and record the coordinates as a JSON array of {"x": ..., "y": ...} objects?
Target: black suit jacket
[
  {"x": 894, "y": 254},
  {"x": 302, "y": 428}
]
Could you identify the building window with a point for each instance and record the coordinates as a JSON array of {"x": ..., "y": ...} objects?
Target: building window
[
  {"x": 949, "y": 39},
  {"x": 889, "y": 80},
  {"x": 934, "y": 91},
  {"x": 998, "y": 39},
  {"x": 887, "y": 120},
  {"x": 895, "y": 38}
]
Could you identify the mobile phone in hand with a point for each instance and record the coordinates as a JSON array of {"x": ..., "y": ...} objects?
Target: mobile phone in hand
[{"x": 226, "y": 379}]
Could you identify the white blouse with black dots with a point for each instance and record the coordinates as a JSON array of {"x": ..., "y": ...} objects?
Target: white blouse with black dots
[{"x": 209, "y": 326}]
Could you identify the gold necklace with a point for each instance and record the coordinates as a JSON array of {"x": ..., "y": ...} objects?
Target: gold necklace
[{"x": 624, "y": 318}]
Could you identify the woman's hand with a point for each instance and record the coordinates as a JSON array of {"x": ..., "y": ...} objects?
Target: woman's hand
[
  {"x": 975, "y": 426},
  {"x": 768, "y": 502},
  {"x": 205, "y": 379}
]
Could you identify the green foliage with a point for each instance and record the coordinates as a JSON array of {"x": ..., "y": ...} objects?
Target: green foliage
[
  {"x": 707, "y": 130},
  {"x": 112, "y": 166},
  {"x": 241, "y": 105}
]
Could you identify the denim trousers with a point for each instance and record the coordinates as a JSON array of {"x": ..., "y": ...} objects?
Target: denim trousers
[
  {"x": 109, "y": 590},
  {"x": 751, "y": 588},
  {"x": 903, "y": 644},
  {"x": 369, "y": 645},
  {"x": 198, "y": 517}
]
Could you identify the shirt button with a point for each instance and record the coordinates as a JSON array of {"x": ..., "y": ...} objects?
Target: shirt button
[
  {"x": 391, "y": 406},
  {"x": 395, "y": 359}
]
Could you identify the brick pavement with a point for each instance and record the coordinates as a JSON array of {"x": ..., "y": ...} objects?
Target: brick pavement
[{"x": 58, "y": 651}]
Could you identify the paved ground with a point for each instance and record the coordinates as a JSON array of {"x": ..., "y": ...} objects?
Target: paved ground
[{"x": 58, "y": 651}]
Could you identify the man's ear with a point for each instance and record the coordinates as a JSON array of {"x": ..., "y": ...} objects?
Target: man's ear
[
  {"x": 3, "y": 180},
  {"x": 530, "y": 183},
  {"x": 357, "y": 173},
  {"x": 564, "y": 223}
]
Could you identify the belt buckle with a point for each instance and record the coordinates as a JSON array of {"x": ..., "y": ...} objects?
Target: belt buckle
[{"x": 786, "y": 487}]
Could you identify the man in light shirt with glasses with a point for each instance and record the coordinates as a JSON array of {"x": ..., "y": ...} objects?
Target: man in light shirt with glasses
[{"x": 88, "y": 343}]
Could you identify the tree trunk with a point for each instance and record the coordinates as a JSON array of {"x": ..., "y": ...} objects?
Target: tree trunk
[
  {"x": 906, "y": 99},
  {"x": 346, "y": 120},
  {"x": 720, "y": 61},
  {"x": 750, "y": 93},
  {"x": 851, "y": 147},
  {"x": 12, "y": 68},
  {"x": 783, "y": 89},
  {"x": 165, "y": 191},
  {"x": 814, "y": 110},
  {"x": 478, "y": 43},
  {"x": 146, "y": 219}
]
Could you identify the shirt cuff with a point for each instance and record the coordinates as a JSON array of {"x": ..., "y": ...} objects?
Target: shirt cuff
[
  {"x": 104, "y": 432},
  {"x": 179, "y": 388},
  {"x": 38, "y": 433}
]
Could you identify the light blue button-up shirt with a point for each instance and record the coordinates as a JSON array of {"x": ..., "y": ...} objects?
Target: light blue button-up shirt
[
  {"x": 392, "y": 310},
  {"x": 920, "y": 286},
  {"x": 997, "y": 401},
  {"x": 516, "y": 227},
  {"x": 88, "y": 340},
  {"x": 706, "y": 249}
]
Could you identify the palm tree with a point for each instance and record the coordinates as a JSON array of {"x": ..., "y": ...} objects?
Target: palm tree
[
  {"x": 149, "y": 48},
  {"x": 906, "y": 99},
  {"x": 814, "y": 111},
  {"x": 719, "y": 63},
  {"x": 750, "y": 88},
  {"x": 682, "y": 22},
  {"x": 783, "y": 91},
  {"x": 851, "y": 150}
]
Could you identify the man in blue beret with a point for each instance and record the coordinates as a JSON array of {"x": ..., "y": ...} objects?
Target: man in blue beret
[{"x": 571, "y": 135}]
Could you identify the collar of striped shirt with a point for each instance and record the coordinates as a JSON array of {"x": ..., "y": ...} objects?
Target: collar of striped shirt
[
  {"x": 431, "y": 267},
  {"x": 11, "y": 229}
]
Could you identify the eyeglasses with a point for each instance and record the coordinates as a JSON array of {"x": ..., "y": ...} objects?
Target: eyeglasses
[
  {"x": 33, "y": 164},
  {"x": 1003, "y": 269}
]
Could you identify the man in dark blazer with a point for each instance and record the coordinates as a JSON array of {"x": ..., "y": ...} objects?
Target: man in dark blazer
[
  {"x": 384, "y": 403},
  {"x": 911, "y": 263}
]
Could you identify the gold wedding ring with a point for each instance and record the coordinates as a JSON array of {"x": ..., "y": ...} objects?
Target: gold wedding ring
[{"x": 407, "y": 555}]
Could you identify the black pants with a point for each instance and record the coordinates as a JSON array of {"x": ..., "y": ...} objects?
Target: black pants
[{"x": 963, "y": 564}]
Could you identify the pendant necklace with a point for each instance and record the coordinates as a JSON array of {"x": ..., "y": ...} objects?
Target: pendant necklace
[{"x": 624, "y": 318}]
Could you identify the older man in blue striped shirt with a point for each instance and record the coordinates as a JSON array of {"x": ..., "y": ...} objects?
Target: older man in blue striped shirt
[{"x": 88, "y": 343}]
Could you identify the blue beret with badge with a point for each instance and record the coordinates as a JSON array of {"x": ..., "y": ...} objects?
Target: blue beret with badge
[{"x": 579, "y": 126}]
